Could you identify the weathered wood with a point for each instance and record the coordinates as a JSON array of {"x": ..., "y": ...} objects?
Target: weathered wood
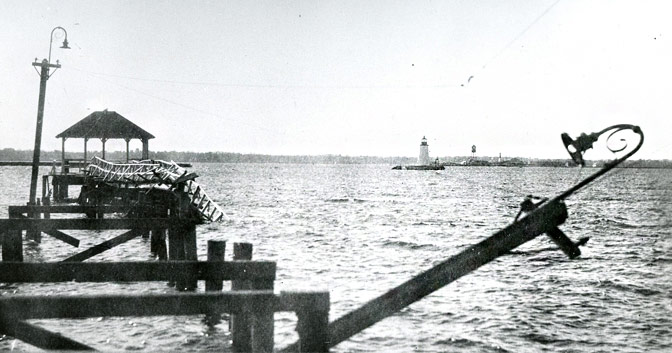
[
  {"x": 262, "y": 329},
  {"x": 104, "y": 246},
  {"x": 188, "y": 303},
  {"x": 32, "y": 234},
  {"x": 216, "y": 252},
  {"x": 12, "y": 245},
  {"x": 90, "y": 224},
  {"x": 45, "y": 186},
  {"x": 158, "y": 244},
  {"x": 312, "y": 311},
  {"x": 47, "y": 203},
  {"x": 535, "y": 223},
  {"x": 69, "y": 208},
  {"x": 19, "y": 272},
  {"x": 176, "y": 252},
  {"x": 70, "y": 240},
  {"x": 190, "y": 252},
  {"x": 39, "y": 337},
  {"x": 12, "y": 241},
  {"x": 242, "y": 251},
  {"x": 241, "y": 330}
]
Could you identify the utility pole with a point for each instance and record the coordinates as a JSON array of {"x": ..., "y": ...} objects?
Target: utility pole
[
  {"x": 44, "y": 76},
  {"x": 45, "y": 65}
]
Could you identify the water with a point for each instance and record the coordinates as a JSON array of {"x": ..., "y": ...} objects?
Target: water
[{"x": 358, "y": 231}]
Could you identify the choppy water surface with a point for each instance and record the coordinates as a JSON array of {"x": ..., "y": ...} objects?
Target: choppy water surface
[{"x": 358, "y": 231}]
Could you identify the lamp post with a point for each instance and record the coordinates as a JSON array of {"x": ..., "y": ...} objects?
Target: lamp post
[{"x": 45, "y": 65}]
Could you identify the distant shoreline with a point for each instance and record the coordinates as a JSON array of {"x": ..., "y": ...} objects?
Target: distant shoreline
[{"x": 9, "y": 156}]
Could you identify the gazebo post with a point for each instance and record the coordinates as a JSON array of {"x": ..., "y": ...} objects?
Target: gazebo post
[
  {"x": 86, "y": 139},
  {"x": 145, "y": 148},
  {"x": 63, "y": 155},
  {"x": 103, "y": 140},
  {"x": 127, "y": 140}
]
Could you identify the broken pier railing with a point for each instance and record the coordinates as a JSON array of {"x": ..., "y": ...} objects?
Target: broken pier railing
[{"x": 251, "y": 302}]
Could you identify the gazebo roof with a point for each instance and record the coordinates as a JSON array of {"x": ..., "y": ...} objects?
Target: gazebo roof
[{"x": 105, "y": 125}]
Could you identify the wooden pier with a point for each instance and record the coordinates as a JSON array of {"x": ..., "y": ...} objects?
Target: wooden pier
[{"x": 169, "y": 216}]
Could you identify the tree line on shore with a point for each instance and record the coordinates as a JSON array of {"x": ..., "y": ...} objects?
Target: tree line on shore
[{"x": 10, "y": 154}]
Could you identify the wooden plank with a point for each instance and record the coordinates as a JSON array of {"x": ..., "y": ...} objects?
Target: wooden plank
[
  {"x": 68, "y": 208},
  {"x": 91, "y": 224},
  {"x": 70, "y": 240},
  {"x": 20, "y": 272},
  {"x": 534, "y": 224},
  {"x": 185, "y": 303},
  {"x": 39, "y": 337},
  {"x": 104, "y": 246}
]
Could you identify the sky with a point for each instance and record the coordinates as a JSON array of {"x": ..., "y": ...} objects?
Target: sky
[{"x": 358, "y": 78}]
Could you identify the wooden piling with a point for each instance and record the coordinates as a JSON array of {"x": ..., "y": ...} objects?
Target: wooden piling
[
  {"x": 158, "y": 244},
  {"x": 312, "y": 311},
  {"x": 33, "y": 234},
  {"x": 47, "y": 202},
  {"x": 262, "y": 328},
  {"x": 241, "y": 333},
  {"x": 12, "y": 242},
  {"x": 45, "y": 185},
  {"x": 216, "y": 252}
]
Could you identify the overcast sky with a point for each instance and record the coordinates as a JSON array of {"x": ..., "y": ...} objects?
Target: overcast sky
[{"x": 343, "y": 77}]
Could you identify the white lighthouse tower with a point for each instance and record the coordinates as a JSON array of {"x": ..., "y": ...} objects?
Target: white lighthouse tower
[{"x": 423, "y": 159}]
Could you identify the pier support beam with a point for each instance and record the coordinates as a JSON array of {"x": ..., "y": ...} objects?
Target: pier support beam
[
  {"x": 12, "y": 242},
  {"x": 216, "y": 252}
]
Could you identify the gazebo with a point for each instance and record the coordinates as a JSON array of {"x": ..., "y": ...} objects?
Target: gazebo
[{"x": 105, "y": 125}]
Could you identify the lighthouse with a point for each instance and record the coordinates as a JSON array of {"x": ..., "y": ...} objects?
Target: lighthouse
[{"x": 423, "y": 158}]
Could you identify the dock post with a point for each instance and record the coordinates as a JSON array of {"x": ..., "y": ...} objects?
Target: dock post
[
  {"x": 190, "y": 253},
  {"x": 216, "y": 252},
  {"x": 47, "y": 202},
  {"x": 158, "y": 244},
  {"x": 183, "y": 237},
  {"x": 12, "y": 242},
  {"x": 55, "y": 189},
  {"x": 31, "y": 234},
  {"x": 45, "y": 185},
  {"x": 142, "y": 212},
  {"x": 262, "y": 329},
  {"x": 176, "y": 249},
  {"x": 240, "y": 323},
  {"x": 313, "y": 322}
]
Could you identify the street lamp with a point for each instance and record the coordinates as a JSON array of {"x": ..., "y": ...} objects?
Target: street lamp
[{"x": 45, "y": 65}]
